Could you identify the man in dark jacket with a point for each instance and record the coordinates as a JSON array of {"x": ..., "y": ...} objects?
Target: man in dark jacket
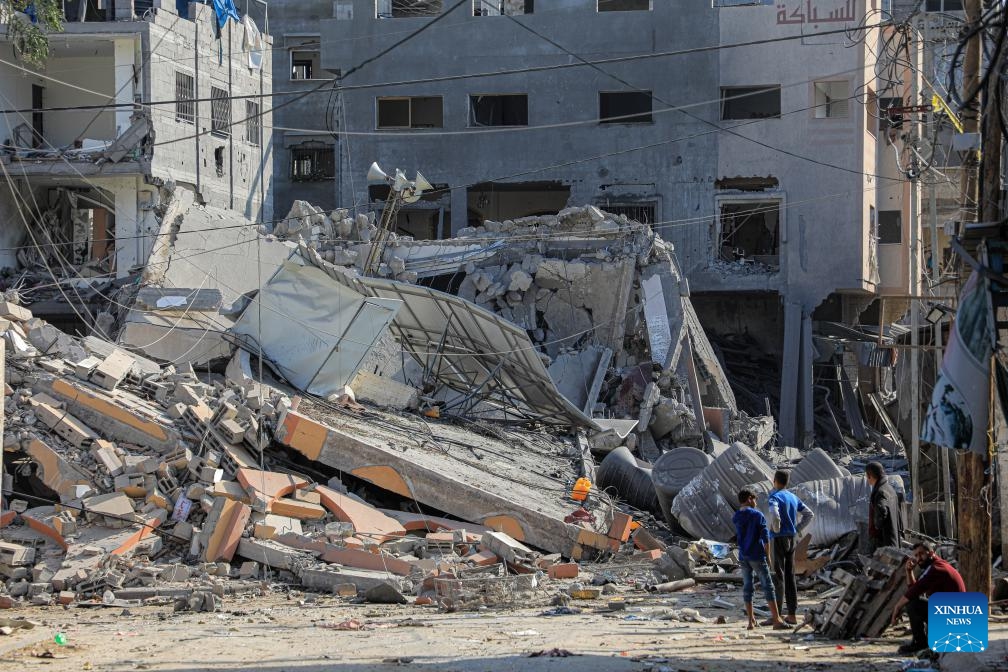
[
  {"x": 884, "y": 528},
  {"x": 935, "y": 576}
]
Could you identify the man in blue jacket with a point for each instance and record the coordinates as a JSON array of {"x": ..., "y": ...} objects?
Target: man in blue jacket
[
  {"x": 754, "y": 547},
  {"x": 789, "y": 516}
]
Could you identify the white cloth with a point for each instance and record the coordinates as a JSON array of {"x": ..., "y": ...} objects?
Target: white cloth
[{"x": 253, "y": 43}]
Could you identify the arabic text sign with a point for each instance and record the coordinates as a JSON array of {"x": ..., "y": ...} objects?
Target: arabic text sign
[{"x": 816, "y": 12}]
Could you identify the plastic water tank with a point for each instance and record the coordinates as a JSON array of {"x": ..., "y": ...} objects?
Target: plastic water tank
[
  {"x": 672, "y": 472},
  {"x": 629, "y": 477}
]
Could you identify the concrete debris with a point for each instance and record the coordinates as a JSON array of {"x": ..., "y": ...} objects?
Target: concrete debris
[{"x": 134, "y": 477}]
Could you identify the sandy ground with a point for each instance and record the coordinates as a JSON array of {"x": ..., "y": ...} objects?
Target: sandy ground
[{"x": 295, "y": 633}]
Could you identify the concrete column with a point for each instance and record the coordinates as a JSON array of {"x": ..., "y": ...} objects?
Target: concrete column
[
  {"x": 129, "y": 241},
  {"x": 459, "y": 209},
  {"x": 805, "y": 383},
  {"x": 791, "y": 359},
  {"x": 124, "y": 61}
]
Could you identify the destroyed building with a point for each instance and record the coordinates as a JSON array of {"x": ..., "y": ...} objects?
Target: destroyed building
[
  {"x": 86, "y": 179},
  {"x": 476, "y": 134},
  {"x": 722, "y": 154}
]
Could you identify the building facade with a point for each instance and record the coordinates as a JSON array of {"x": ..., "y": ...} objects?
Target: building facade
[
  {"x": 496, "y": 107},
  {"x": 125, "y": 106}
]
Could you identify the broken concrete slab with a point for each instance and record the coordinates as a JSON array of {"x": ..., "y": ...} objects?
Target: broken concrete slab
[
  {"x": 513, "y": 499},
  {"x": 367, "y": 520},
  {"x": 67, "y": 480}
]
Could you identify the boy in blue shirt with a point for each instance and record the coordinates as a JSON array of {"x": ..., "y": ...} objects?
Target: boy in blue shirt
[
  {"x": 789, "y": 516},
  {"x": 754, "y": 548}
]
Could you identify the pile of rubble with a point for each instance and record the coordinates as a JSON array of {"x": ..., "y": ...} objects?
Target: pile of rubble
[{"x": 127, "y": 480}]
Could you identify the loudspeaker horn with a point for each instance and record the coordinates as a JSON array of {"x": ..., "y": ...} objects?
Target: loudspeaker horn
[{"x": 376, "y": 174}]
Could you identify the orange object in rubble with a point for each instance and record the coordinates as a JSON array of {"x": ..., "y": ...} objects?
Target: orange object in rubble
[{"x": 579, "y": 492}]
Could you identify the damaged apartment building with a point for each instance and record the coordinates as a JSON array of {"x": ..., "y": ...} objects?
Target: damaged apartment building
[
  {"x": 771, "y": 168},
  {"x": 132, "y": 104}
]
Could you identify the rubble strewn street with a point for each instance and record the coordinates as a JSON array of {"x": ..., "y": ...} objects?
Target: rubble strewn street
[
  {"x": 165, "y": 489},
  {"x": 469, "y": 336}
]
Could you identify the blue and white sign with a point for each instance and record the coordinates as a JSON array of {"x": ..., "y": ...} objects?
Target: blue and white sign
[{"x": 957, "y": 622}]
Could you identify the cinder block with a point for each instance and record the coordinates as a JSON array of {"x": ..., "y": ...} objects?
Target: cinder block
[
  {"x": 567, "y": 570},
  {"x": 621, "y": 526}
]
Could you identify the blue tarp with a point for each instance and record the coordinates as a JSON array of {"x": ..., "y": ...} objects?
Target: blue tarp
[{"x": 225, "y": 9}]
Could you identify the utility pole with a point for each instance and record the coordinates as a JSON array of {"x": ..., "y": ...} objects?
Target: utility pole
[
  {"x": 915, "y": 286},
  {"x": 974, "y": 481},
  {"x": 948, "y": 512}
]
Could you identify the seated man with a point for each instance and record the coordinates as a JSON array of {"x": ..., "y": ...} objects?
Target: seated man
[{"x": 937, "y": 576}]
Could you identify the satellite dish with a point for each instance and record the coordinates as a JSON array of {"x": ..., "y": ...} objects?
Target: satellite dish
[
  {"x": 421, "y": 183},
  {"x": 375, "y": 174}
]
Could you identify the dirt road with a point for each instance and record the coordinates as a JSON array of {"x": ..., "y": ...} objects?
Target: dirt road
[{"x": 277, "y": 633}]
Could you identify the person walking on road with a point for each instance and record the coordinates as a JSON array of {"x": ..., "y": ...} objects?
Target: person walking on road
[{"x": 788, "y": 516}]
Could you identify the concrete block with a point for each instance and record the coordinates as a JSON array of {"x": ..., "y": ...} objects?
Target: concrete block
[
  {"x": 16, "y": 555},
  {"x": 567, "y": 570},
  {"x": 293, "y": 508},
  {"x": 597, "y": 541},
  {"x": 226, "y": 531},
  {"x": 621, "y": 526},
  {"x": 114, "y": 504},
  {"x": 85, "y": 367},
  {"x": 12, "y": 311},
  {"x": 64, "y": 424},
  {"x": 231, "y": 490},
  {"x": 483, "y": 558},
  {"x": 104, "y": 454},
  {"x": 112, "y": 370}
]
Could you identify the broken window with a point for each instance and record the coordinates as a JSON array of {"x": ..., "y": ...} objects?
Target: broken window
[
  {"x": 890, "y": 227},
  {"x": 750, "y": 230},
  {"x": 501, "y": 7},
  {"x": 185, "y": 94},
  {"x": 943, "y": 5},
  {"x": 832, "y": 99},
  {"x": 401, "y": 9},
  {"x": 750, "y": 102},
  {"x": 417, "y": 112},
  {"x": 498, "y": 110},
  {"x": 220, "y": 112},
  {"x": 312, "y": 164},
  {"x": 624, "y": 5},
  {"x": 625, "y": 107},
  {"x": 638, "y": 212},
  {"x": 253, "y": 123},
  {"x": 304, "y": 64}
]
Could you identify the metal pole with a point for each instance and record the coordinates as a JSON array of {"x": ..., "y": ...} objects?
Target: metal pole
[
  {"x": 948, "y": 528},
  {"x": 914, "y": 231}
]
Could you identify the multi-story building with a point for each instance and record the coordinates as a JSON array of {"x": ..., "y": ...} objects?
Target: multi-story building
[
  {"x": 129, "y": 101},
  {"x": 497, "y": 108},
  {"x": 770, "y": 166}
]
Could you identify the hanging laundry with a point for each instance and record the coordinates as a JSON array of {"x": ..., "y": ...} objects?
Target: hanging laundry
[
  {"x": 225, "y": 9},
  {"x": 253, "y": 43},
  {"x": 958, "y": 413}
]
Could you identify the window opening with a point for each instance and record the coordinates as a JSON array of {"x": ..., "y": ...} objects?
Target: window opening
[
  {"x": 750, "y": 231},
  {"x": 498, "y": 110},
  {"x": 750, "y": 102},
  {"x": 625, "y": 107}
]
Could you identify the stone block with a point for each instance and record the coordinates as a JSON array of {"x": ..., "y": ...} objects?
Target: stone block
[
  {"x": 567, "y": 570},
  {"x": 293, "y": 508},
  {"x": 622, "y": 525}
]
